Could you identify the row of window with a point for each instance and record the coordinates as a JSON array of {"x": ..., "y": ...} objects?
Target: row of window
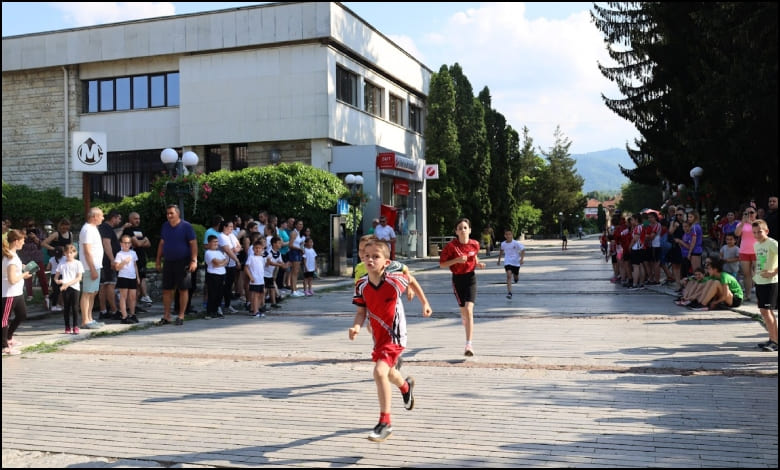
[
  {"x": 136, "y": 92},
  {"x": 161, "y": 90},
  {"x": 373, "y": 100}
]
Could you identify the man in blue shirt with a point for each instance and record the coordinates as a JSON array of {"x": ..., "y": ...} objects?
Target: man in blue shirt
[{"x": 180, "y": 249}]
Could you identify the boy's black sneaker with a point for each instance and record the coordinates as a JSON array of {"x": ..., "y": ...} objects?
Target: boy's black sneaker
[
  {"x": 409, "y": 396},
  {"x": 771, "y": 347},
  {"x": 126, "y": 321},
  {"x": 179, "y": 322},
  {"x": 509, "y": 295},
  {"x": 694, "y": 304},
  {"x": 381, "y": 432},
  {"x": 133, "y": 318},
  {"x": 764, "y": 343}
]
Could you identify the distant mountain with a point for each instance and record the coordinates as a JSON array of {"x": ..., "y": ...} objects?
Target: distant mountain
[{"x": 600, "y": 169}]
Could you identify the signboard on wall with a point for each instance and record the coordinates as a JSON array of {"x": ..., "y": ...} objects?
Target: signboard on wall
[
  {"x": 432, "y": 171},
  {"x": 401, "y": 187},
  {"x": 391, "y": 161},
  {"x": 89, "y": 152}
]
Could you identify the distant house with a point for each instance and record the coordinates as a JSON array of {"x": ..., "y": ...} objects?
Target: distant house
[{"x": 592, "y": 208}]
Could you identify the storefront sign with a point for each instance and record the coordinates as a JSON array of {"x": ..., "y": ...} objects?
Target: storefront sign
[
  {"x": 400, "y": 187},
  {"x": 391, "y": 161},
  {"x": 89, "y": 152}
]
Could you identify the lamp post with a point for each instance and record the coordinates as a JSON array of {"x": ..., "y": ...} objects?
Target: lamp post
[
  {"x": 696, "y": 173},
  {"x": 355, "y": 184},
  {"x": 171, "y": 159},
  {"x": 560, "y": 225}
]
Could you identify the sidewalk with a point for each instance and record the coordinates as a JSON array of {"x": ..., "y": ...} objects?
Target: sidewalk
[{"x": 572, "y": 372}]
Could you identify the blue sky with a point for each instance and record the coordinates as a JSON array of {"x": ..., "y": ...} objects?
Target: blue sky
[{"x": 539, "y": 59}]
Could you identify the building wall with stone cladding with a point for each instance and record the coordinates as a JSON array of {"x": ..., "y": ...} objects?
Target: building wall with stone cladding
[{"x": 33, "y": 145}]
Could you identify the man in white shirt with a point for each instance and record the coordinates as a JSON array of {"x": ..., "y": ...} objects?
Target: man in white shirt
[
  {"x": 385, "y": 232},
  {"x": 91, "y": 256}
]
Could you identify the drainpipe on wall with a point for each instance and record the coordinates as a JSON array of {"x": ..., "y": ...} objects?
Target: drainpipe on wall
[{"x": 65, "y": 131}]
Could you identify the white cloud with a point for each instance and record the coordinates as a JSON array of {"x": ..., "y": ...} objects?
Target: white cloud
[
  {"x": 541, "y": 73},
  {"x": 80, "y": 14}
]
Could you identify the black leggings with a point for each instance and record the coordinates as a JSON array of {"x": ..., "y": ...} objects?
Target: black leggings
[
  {"x": 19, "y": 309},
  {"x": 70, "y": 298}
]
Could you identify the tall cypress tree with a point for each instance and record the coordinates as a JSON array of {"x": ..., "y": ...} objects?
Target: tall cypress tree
[
  {"x": 442, "y": 148},
  {"x": 474, "y": 154}
]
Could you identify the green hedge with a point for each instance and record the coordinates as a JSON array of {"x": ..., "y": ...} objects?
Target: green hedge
[
  {"x": 286, "y": 190},
  {"x": 20, "y": 202}
]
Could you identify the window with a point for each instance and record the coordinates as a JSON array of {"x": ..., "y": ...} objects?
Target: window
[
  {"x": 141, "y": 92},
  {"x": 238, "y": 156},
  {"x": 172, "y": 89},
  {"x": 129, "y": 173},
  {"x": 372, "y": 97},
  {"x": 106, "y": 95},
  {"x": 123, "y": 94},
  {"x": 396, "y": 110},
  {"x": 91, "y": 96},
  {"x": 158, "y": 90},
  {"x": 346, "y": 86},
  {"x": 415, "y": 118},
  {"x": 138, "y": 92},
  {"x": 213, "y": 158}
]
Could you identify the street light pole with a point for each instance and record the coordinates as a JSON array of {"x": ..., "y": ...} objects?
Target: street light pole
[
  {"x": 355, "y": 184},
  {"x": 560, "y": 225},
  {"x": 696, "y": 173},
  {"x": 171, "y": 159}
]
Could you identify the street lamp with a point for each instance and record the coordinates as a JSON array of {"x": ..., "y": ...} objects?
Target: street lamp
[
  {"x": 696, "y": 173},
  {"x": 171, "y": 159},
  {"x": 355, "y": 184}
]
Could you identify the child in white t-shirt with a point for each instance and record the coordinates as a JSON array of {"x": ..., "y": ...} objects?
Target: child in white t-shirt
[
  {"x": 67, "y": 277},
  {"x": 255, "y": 271},
  {"x": 514, "y": 256},
  {"x": 127, "y": 279},
  {"x": 310, "y": 265},
  {"x": 216, "y": 260}
]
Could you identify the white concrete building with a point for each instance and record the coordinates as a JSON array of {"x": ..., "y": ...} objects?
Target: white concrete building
[{"x": 303, "y": 82}]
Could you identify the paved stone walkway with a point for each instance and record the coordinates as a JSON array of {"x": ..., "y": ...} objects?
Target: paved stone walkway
[{"x": 573, "y": 371}]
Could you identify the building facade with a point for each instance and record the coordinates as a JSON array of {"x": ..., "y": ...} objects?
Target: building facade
[{"x": 306, "y": 82}]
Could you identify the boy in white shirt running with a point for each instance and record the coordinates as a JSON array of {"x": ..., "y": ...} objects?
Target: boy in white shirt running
[{"x": 514, "y": 256}]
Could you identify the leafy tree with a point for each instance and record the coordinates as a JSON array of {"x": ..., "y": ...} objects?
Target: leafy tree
[
  {"x": 559, "y": 187},
  {"x": 636, "y": 197}
]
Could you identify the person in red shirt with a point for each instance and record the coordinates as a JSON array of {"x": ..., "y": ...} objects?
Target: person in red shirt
[
  {"x": 378, "y": 297},
  {"x": 461, "y": 256}
]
